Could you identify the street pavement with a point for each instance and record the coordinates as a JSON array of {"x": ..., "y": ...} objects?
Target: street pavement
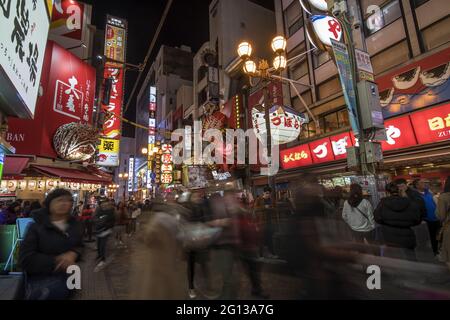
[{"x": 400, "y": 279}]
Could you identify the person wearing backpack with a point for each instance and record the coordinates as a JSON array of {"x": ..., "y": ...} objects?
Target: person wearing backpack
[{"x": 358, "y": 214}]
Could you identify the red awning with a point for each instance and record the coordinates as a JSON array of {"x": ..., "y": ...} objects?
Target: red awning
[
  {"x": 71, "y": 175},
  {"x": 14, "y": 166}
]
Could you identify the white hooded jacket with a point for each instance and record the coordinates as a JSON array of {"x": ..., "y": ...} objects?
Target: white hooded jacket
[{"x": 355, "y": 218}]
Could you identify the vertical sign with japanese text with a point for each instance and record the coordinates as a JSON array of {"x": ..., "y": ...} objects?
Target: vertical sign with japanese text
[{"x": 23, "y": 38}]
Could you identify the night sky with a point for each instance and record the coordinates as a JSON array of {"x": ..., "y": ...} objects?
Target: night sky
[{"x": 186, "y": 24}]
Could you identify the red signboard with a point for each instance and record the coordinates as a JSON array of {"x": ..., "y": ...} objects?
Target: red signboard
[
  {"x": 399, "y": 134},
  {"x": 112, "y": 126},
  {"x": 321, "y": 151},
  {"x": 67, "y": 19},
  {"x": 68, "y": 87},
  {"x": 432, "y": 125},
  {"x": 339, "y": 144},
  {"x": 296, "y": 157}
]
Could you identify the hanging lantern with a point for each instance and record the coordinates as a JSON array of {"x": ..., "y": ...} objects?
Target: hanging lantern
[
  {"x": 12, "y": 185},
  {"x": 285, "y": 124},
  {"x": 21, "y": 185},
  {"x": 75, "y": 142},
  {"x": 31, "y": 185}
]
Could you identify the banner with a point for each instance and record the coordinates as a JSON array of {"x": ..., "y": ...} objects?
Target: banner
[
  {"x": 346, "y": 76},
  {"x": 23, "y": 37},
  {"x": 108, "y": 153},
  {"x": 115, "y": 38},
  {"x": 112, "y": 126}
]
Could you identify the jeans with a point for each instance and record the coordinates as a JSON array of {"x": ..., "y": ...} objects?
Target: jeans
[
  {"x": 101, "y": 247},
  {"x": 52, "y": 287},
  {"x": 253, "y": 270}
]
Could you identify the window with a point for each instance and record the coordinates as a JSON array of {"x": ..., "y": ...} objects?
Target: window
[
  {"x": 299, "y": 70},
  {"x": 343, "y": 118},
  {"x": 418, "y": 3},
  {"x": 329, "y": 88},
  {"x": 309, "y": 130},
  {"x": 437, "y": 34},
  {"x": 293, "y": 18},
  {"x": 319, "y": 58},
  {"x": 390, "y": 57},
  {"x": 202, "y": 97},
  {"x": 380, "y": 19},
  {"x": 331, "y": 122}
]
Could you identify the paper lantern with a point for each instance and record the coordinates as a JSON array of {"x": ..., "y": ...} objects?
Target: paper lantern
[{"x": 285, "y": 124}]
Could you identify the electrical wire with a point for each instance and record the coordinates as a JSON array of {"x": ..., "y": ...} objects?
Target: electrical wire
[{"x": 149, "y": 52}]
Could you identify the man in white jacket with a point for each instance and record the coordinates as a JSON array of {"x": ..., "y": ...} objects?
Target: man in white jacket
[{"x": 358, "y": 214}]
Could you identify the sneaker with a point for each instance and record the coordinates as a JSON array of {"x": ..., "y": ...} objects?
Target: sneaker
[
  {"x": 100, "y": 266},
  {"x": 192, "y": 294}
]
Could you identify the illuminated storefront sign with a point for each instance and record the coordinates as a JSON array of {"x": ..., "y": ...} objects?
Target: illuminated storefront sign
[
  {"x": 130, "y": 174},
  {"x": 420, "y": 128}
]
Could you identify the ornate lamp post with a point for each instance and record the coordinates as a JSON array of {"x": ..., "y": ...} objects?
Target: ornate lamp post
[
  {"x": 124, "y": 177},
  {"x": 264, "y": 75}
]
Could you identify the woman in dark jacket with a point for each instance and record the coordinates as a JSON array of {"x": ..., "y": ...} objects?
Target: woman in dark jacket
[
  {"x": 52, "y": 244},
  {"x": 396, "y": 215}
]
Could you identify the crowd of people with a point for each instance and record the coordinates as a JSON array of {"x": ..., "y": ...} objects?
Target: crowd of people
[{"x": 190, "y": 232}]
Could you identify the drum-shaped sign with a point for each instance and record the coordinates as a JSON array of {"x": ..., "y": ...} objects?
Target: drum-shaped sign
[
  {"x": 324, "y": 29},
  {"x": 309, "y": 5},
  {"x": 285, "y": 124}
]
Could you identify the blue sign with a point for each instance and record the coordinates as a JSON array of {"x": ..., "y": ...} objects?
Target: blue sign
[
  {"x": 153, "y": 176},
  {"x": 346, "y": 76}
]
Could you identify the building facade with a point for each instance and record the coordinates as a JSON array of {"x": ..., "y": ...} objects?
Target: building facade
[{"x": 408, "y": 42}]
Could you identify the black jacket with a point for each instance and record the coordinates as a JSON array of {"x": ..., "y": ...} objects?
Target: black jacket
[
  {"x": 104, "y": 219},
  {"x": 397, "y": 215},
  {"x": 416, "y": 196},
  {"x": 44, "y": 242}
]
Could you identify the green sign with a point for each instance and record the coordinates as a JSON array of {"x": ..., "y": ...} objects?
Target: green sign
[{"x": 7, "y": 238}]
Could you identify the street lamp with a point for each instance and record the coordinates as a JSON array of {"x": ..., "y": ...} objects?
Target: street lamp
[{"x": 144, "y": 151}]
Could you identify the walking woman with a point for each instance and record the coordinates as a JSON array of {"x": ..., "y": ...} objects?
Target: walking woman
[
  {"x": 443, "y": 212},
  {"x": 358, "y": 214}
]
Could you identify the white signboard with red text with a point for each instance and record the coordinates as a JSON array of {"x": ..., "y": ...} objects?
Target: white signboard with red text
[
  {"x": 24, "y": 28},
  {"x": 419, "y": 128}
]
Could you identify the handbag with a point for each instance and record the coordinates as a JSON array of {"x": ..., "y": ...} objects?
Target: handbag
[{"x": 197, "y": 236}]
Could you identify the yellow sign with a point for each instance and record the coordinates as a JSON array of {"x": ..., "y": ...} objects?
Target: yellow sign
[{"x": 109, "y": 146}]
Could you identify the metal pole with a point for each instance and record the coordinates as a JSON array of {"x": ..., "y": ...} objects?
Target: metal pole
[{"x": 267, "y": 105}]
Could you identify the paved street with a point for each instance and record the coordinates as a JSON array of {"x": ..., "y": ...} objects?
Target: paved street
[{"x": 112, "y": 283}]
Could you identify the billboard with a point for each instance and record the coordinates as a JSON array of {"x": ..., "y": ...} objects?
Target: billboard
[
  {"x": 23, "y": 37},
  {"x": 108, "y": 153},
  {"x": 68, "y": 86}
]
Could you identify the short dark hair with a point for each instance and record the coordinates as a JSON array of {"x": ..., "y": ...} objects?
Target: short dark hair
[
  {"x": 267, "y": 189},
  {"x": 392, "y": 188},
  {"x": 57, "y": 193},
  {"x": 400, "y": 181},
  {"x": 415, "y": 183}
]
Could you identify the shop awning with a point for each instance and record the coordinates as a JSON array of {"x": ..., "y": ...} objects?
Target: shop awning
[
  {"x": 14, "y": 166},
  {"x": 71, "y": 175}
]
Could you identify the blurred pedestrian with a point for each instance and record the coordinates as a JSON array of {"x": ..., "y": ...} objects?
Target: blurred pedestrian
[
  {"x": 78, "y": 209},
  {"x": 443, "y": 211},
  {"x": 413, "y": 195},
  {"x": 319, "y": 268},
  {"x": 225, "y": 212},
  {"x": 122, "y": 222},
  {"x": 397, "y": 215},
  {"x": 160, "y": 272},
  {"x": 104, "y": 221},
  {"x": 52, "y": 244},
  {"x": 86, "y": 218},
  {"x": 432, "y": 220},
  {"x": 11, "y": 213},
  {"x": 358, "y": 214},
  {"x": 265, "y": 210}
]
